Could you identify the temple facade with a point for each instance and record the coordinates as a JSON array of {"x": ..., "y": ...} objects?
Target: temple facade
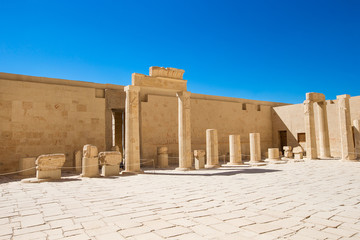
[{"x": 45, "y": 115}]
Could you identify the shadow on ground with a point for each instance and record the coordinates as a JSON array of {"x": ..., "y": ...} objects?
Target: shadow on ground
[{"x": 219, "y": 172}]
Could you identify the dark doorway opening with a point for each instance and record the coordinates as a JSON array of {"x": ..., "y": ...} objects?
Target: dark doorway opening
[{"x": 282, "y": 139}]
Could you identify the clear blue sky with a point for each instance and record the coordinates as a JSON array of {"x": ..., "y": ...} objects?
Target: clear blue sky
[{"x": 274, "y": 50}]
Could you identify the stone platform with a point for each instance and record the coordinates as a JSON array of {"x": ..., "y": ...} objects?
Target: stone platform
[{"x": 310, "y": 200}]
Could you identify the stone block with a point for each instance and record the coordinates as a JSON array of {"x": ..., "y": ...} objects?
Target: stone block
[
  {"x": 110, "y": 158},
  {"x": 287, "y": 152},
  {"x": 315, "y": 97},
  {"x": 27, "y": 163},
  {"x": 273, "y": 154},
  {"x": 199, "y": 159},
  {"x": 77, "y": 163},
  {"x": 166, "y": 72},
  {"x": 49, "y": 166},
  {"x": 110, "y": 170},
  {"x": 90, "y": 151},
  {"x": 90, "y": 167},
  {"x": 298, "y": 152}
]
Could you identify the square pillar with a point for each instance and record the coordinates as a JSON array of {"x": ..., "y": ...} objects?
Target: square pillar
[
  {"x": 184, "y": 121},
  {"x": 132, "y": 130},
  {"x": 347, "y": 144},
  {"x": 324, "y": 141},
  {"x": 311, "y": 151}
]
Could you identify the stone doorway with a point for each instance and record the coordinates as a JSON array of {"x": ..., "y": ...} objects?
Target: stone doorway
[
  {"x": 118, "y": 128},
  {"x": 282, "y": 139}
]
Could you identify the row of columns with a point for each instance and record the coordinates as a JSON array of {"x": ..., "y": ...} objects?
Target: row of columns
[{"x": 348, "y": 150}]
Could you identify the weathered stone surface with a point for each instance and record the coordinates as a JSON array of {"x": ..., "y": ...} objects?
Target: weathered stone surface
[
  {"x": 27, "y": 163},
  {"x": 77, "y": 163},
  {"x": 288, "y": 151},
  {"x": 298, "y": 152},
  {"x": 235, "y": 150},
  {"x": 132, "y": 130},
  {"x": 115, "y": 148},
  {"x": 110, "y": 158},
  {"x": 199, "y": 159},
  {"x": 255, "y": 149},
  {"x": 90, "y": 167},
  {"x": 49, "y": 166},
  {"x": 166, "y": 72},
  {"x": 347, "y": 144},
  {"x": 162, "y": 157},
  {"x": 110, "y": 170},
  {"x": 184, "y": 130},
  {"x": 50, "y": 161},
  {"x": 212, "y": 149},
  {"x": 315, "y": 97},
  {"x": 90, "y": 151},
  {"x": 273, "y": 154},
  {"x": 324, "y": 142},
  {"x": 311, "y": 150}
]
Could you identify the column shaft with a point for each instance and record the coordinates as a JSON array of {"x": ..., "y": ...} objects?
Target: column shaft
[
  {"x": 324, "y": 142},
  {"x": 235, "y": 150},
  {"x": 347, "y": 144},
  {"x": 311, "y": 151},
  {"x": 132, "y": 130},
  {"x": 212, "y": 149},
  {"x": 184, "y": 121},
  {"x": 255, "y": 148}
]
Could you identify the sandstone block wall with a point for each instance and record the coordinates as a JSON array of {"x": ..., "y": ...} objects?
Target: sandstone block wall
[
  {"x": 159, "y": 116},
  {"x": 41, "y": 116}
]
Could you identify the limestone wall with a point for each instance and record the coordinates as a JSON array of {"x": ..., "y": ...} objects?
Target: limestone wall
[
  {"x": 41, "y": 115},
  {"x": 159, "y": 116},
  {"x": 291, "y": 119}
]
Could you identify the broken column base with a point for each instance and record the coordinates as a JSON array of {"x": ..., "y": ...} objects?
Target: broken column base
[
  {"x": 90, "y": 167},
  {"x": 199, "y": 163},
  {"x": 110, "y": 170},
  {"x": 48, "y": 174}
]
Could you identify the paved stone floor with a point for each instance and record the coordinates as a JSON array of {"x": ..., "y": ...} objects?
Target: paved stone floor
[{"x": 310, "y": 200}]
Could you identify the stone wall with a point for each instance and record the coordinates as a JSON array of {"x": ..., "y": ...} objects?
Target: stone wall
[
  {"x": 44, "y": 115},
  {"x": 159, "y": 117},
  {"x": 291, "y": 119}
]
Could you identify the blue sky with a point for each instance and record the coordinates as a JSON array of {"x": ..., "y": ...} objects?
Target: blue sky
[{"x": 266, "y": 50}]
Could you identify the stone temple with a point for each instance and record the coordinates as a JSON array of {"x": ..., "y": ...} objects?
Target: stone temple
[{"x": 156, "y": 118}]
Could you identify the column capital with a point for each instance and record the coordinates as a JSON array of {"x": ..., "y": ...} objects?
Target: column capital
[
  {"x": 308, "y": 102},
  {"x": 131, "y": 88}
]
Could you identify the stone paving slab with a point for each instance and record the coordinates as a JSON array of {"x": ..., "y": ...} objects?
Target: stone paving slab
[{"x": 318, "y": 199}]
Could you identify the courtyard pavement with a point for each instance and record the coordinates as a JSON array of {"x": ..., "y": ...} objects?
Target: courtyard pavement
[{"x": 317, "y": 199}]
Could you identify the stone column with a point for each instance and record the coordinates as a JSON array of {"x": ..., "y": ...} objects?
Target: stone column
[
  {"x": 78, "y": 164},
  {"x": 356, "y": 129},
  {"x": 255, "y": 149},
  {"x": 162, "y": 157},
  {"x": 184, "y": 121},
  {"x": 311, "y": 151},
  {"x": 212, "y": 149},
  {"x": 347, "y": 144},
  {"x": 132, "y": 130},
  {"x": 90, "y": 161},
  {"x": 235, "y": 150},
  {"x": 273, "y": 154},
  {"x": 323, "y": 130},
  {"x": 199, "y": 159}
]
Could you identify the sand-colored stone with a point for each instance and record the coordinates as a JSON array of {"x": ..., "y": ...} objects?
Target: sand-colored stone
[
  {"x": 235, "y": 150},
  {"x": 298, "y": 152},
  {"x": 132, "y": 131},
  {"x": 27, "y": 163},
  {"x": 273, "y": 154},
  {"x": 324, "y": 142},
  {"x": 199, "y": 159},
  {"x": 77, "y": 161},
  {"x": 184, "y": 121},
  {"x": 110, "y": 163},
  {"x": 311, "y": 150},
  {"x": 49, "y": 166},
  {"x": 90, "y": 163},
  {"x": 288, "y": 152},
  {"x": 255, "y": 149},
  {"x": 212, "y": 149},
  {"x": 162, "y": 157},
  {"x": 347, "y": 144},
  {"x": 356, "y": 132}
]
